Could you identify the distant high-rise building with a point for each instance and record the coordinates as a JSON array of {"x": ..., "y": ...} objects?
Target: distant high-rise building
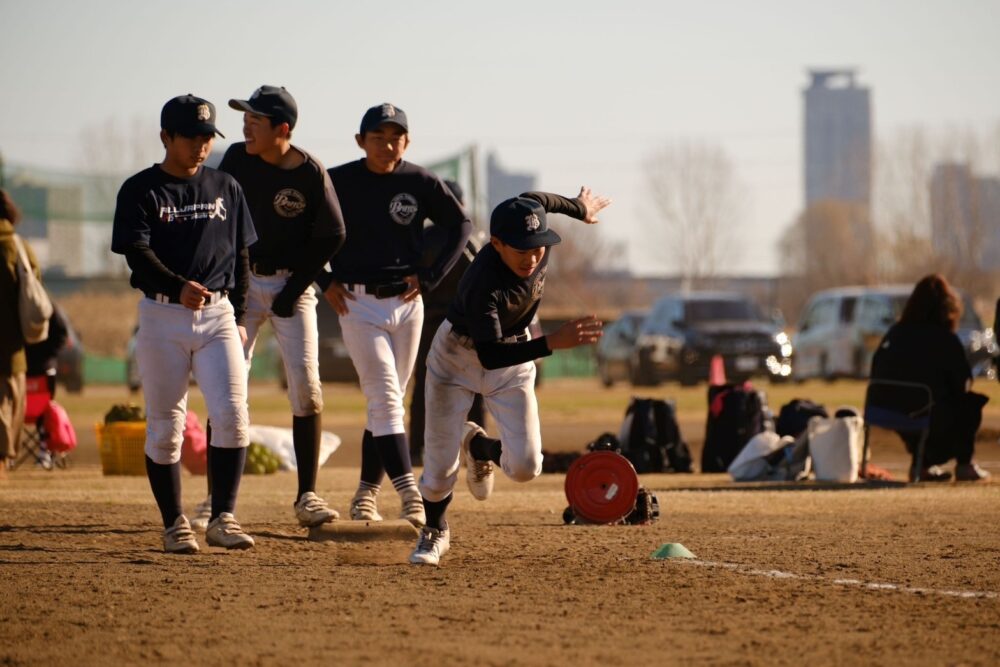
[
  {"x": 838, "y": 137},
  {"x": 965, "y": 216},
  {"x": 502, "y": 184}
]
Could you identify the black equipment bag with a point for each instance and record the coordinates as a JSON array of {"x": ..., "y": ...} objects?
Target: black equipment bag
[
  {"x": 736, "y": 413},
  {"x": 651, "y": 438},
  {"x": 794, "y": 416}
]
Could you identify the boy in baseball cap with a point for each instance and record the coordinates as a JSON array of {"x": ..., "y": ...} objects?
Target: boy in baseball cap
[
  {"x": 184, "y": 229},
  {"x": 483, "y": 347},
  {"x": 375, "y": 285},
  {"x": 296, "y": 214}
]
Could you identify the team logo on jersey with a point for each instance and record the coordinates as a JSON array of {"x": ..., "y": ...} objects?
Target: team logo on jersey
[
  {"x": 532, "y": 222},
  {"x": 538, "y": 286},
  {"x": 204, "y": 113},
  {"x": 289, "y": 203},
  {"x": 212, "y": 211},
  {"x": 403, "y": 208}
]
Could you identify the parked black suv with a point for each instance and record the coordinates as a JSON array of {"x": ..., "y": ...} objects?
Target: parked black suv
[{"x": 684, "y": 331}]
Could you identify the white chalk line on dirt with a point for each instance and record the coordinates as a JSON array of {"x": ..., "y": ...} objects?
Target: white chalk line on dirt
[{"x": 867, "y": 585}]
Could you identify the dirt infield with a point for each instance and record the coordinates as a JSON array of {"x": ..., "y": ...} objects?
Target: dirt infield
[{"x": 859, "y": 576}]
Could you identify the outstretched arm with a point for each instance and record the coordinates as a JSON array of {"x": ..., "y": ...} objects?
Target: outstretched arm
[{"x": 584, "y": 206}]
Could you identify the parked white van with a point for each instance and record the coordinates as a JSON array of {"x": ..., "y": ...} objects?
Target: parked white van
[{"x": 840, "y": 328}]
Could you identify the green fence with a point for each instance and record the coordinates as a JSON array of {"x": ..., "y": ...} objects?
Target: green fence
[
  {"x": 111, "y": 370},
  {"x": 574, "y": 362}
]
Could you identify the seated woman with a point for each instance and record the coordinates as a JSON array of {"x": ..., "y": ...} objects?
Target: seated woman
[{"x": 923, "y": 347}]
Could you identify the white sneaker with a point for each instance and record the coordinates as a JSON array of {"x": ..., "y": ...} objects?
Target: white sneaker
[
  {"x": 431, "y": 546},
  {"x": 413, "y": 507},
  {"x": 226, "y": 532},
  {"x": 364, "y": 506},
  {"x": 179, "y": 538},
  {"x": 311, "y": 510},
  {"x": 202, "y": 514},
  {"x": 478, "y": 474}
]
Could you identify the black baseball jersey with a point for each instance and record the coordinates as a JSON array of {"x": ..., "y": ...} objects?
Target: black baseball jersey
[
  {"x": 385, "y": 214},
  {"x": 195, "y": 228},
  {"x": 494, "y": 303},
  {"x": 292, "y": 208}
]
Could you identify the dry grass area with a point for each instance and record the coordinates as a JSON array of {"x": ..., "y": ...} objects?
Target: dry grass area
[{"x": 104, "y": 320}]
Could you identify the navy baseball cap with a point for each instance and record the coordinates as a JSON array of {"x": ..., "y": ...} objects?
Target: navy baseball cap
[
  {"x": 520, "y": 223},
  {"x": 271, "y": 101},
  {"x": 383, "y": 113},
  {"x": 189, "y": 116}
]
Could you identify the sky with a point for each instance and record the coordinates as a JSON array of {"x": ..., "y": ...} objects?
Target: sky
[{"x": 578, "y": 93}]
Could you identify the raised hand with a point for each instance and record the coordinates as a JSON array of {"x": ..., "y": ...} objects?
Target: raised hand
[
  {"x": 594, "y": 204},
  {"x": 582, "y": 331}
]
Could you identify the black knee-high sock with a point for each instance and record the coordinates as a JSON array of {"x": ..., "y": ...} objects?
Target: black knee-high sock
[
  {"x": 395, "y": 454},
  {"x": 306, "y": 434},
  {"x": 165, "y": 481},
  {"x": 484, "y": 448},
  {"x": 227, "y": 471},
  {"x": 208, "y": 454},
  {"x": 435, "y": 512},
  {"x": 372, "y": 471}
]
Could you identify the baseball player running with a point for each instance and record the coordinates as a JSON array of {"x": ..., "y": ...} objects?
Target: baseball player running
[
  {"x": 483, "y": 347},
  {"x": 375, "y": 288},
  {"x": 184, "y": 230},
  {"x": 299, "y": 227}
]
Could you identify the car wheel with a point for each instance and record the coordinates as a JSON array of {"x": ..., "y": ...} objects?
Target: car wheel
[
  {"x": 642, "y": 373},
  {"x": 604, "y": 373},
  {"x": 824, "y": 370},
  {"x": 860, "y": 371}
]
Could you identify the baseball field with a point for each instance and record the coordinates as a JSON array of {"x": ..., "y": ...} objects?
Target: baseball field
[{"x": 802, "y": 574}]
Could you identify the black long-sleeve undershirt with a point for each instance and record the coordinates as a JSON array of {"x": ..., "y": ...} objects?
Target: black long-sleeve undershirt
[
  {"x": 150, "y": 274},
  {"x": 307, "y": 269}
]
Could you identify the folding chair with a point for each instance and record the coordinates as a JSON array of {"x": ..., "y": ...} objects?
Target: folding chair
[
  {"x": 33, "y": 435},
  {"x": 898, "y": 406}
]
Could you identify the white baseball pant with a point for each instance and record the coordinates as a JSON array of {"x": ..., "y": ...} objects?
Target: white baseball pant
[
  {"x": 297, "y": 338},
  {"x": 382, "y": 336},
  {"x": 172, "y": 342},
  {"x": 454, "y": 376}
]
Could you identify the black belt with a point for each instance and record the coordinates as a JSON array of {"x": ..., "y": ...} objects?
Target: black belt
[
  {"x": 267, "y": 268},
  {"x": 213, "y": 298},
  {"x": 379, "y": 290}
]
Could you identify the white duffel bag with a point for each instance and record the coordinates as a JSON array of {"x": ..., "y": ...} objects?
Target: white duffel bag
[{"x": 835, "y": 445}]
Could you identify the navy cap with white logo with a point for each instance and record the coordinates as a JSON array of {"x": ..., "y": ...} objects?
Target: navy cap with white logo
[
  {"x": 189, "y": 116},
  {"x": 383, "y": 113},
  {"x": 271, "y": 101},
  {"x": 520, "y": 223}
]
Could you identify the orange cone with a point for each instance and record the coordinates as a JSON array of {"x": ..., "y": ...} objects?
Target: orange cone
[{"x": 717, "y": 371}]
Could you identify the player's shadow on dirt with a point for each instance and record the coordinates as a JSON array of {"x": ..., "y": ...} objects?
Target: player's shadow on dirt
[
  {"x": 304, "y": 537},
  {"x": 73, "y": 529},
  {"x": 792, "y": 486}
]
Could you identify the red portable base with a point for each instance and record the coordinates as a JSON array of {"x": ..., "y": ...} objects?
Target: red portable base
[{"x": 602, "y": 487}]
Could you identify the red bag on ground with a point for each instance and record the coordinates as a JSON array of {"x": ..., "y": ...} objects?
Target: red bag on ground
[
  {"x": 61, "y": 434},
  {"x": 194, "y": 449}
]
